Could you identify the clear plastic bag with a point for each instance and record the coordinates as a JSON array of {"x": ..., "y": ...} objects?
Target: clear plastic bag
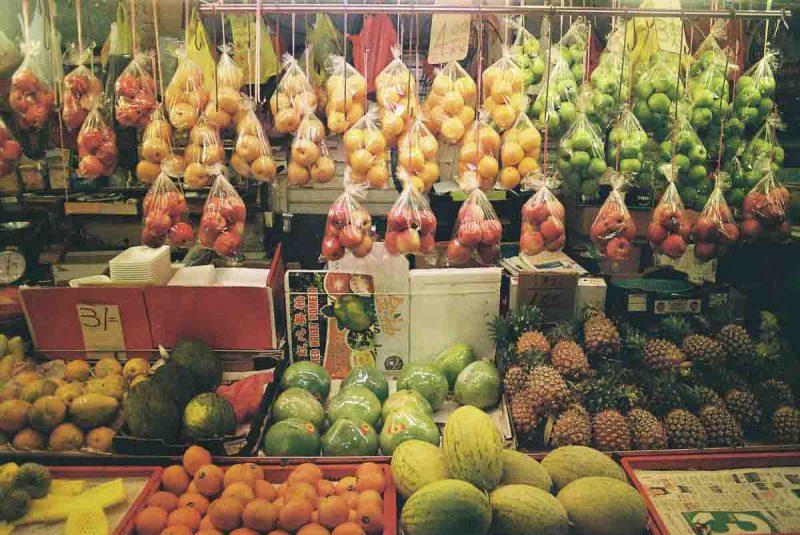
[
  {"x": 670, "y": 230},
  {"x": 572, "y": 48},
  {"x": 519, "y": 152},
  {"x": 224, "y": 214},
  {"x": 230, "y": 79},
  {"x": 309, "y": 161},
  {"x": 581, "y": 159},
  {"x": 417, "y": 155},
  {"x": 81, "y": 90},
  {"x": 396, "y": 93},
  {"x": 627, "y": 143},
  {"x": 157, "y": 148},
  {"x": 349, "y": 226},
  {"x": 293, "y": 97},
  {"x": 202, "y": 154},
  {"x": 186, "y": 96},
  {"x": 690, "y": 157},
  {"x": 708, "y": 86},
  {"x": 555, "y": 105},
  {"x": 366, "y": 153},
  {"x": 450, "y": 107},
  {"x": 655, "y": 93},
  {"x": 135, "y": 93},
  {"x": 765, "y": 210},
  {"x": 252, "y": 155},
  {"x": 613, "y": 230},
  {"x": 31, "y": 96},
  {"x": 477, "y": 157},
  {"x": 165, "y": 215},
  {"x": 763, "y": 150},
  {"x": 347, "y": 95},
  {"x": 97, "y": 146},
  {"x": 715, "y": 228},
  {"x": 410, "y": 223},
  {"x": 10, "y": 150},
  {"x": 543, "y": 225},
  {"x": 526, "y": 53},
  {"x": 504, "y": 92},
  {"x": 476, "y": 233},
  {"x": 754, "y": 93},
  {"x": 610, "y": 81}
]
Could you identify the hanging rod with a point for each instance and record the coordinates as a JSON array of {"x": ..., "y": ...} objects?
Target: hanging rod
[{"x": 428, "y": 9}]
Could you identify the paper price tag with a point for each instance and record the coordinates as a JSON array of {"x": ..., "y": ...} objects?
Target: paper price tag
[
  {"x": 101, "y": 326},
  {"x": 449, "y": 34}
]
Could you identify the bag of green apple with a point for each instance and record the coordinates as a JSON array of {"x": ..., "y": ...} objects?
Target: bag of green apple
[
  {"x": 690, "y": 156},
  {"x": 555, "y": 105},
  {"x": 740, "y": 184},
  {"x": 670, "y": 229},
  {"x": 504, "y": 91},
  {"x": 410, "y": 223},
  {"x": 708, "y": 85},
  {"x": 627, "y": 142},
  {"x": 477, "y": 157},
  {"x": 655, "y": 93},
  {"x": 476, "y": 233},
  {"x": 610, "y": 81},
  {"x": 526, "y": 54},
  {"x": 572, "y": 47},
  {"x": 765, "y": 211},
  {"x": 519, "y": 152},
  {"x": 349, "y": 225},
  {"x": 613, "y": 229},
  {"x": 715, "y": 228},
  {"x": 764, "y": 147},
  {"x": 754, "y": 92},
  {"x": 224, "y": 214},
  {"x": 543, "y": 226},
  {"x": 581, "y": 158}
]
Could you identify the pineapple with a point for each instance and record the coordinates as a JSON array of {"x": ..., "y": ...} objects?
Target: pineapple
[
  {"x": 569, "y": 360},
  {"x": 523, "y": 413},
  {"x": 684, "y": 430},
  {"x": 742, "y": 404},
  {"x": 647, "y": 433},
  {"x": 549, "y": 391},
  {"x": 702, "y": 349},
  {"x": 774, "y": 393},
  {"x": 633, "y": 344},
  {"x": 709, "y": 397},
  {"x": 507, "y": 330},
  {"x": 600, "y": 337},
  {"x": 610, "y": 431},
  {"x": 736, "y": 343},
  {"x": 675, "y": 328},
  {"x": 561, "y": 332},
  {"x": 667, "y": 391},
  {"x": 572, "y": 428},
  {"x": 533, "y": 342},
  {"x": 660, "y": 354},
  {"x": 610, "y": 388},
  {"x": 515, "y": 380},
  {"x": 786, "y": 425},
  {"x": 722, "y": 430}
]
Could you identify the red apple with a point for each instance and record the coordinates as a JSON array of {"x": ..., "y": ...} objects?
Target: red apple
[
  {"x": 491, "y": 231},
  {"x": 399, "y": 218},
  {"x": 599, "y": 230},
  {"x": 331, "y": 248},
  {"x": 751, "y": 229},
  {"x": 339, "y": 214},
  {"x": 551, "y": 229},
  {"x": 427, "y": 222},
  {"x": 556, "y": 245},
  {"x": 457, "y": 254},
  {"x": 629, "y": 230},
  {"x": 150, "y": 240},
  {"x": 656, "y": 234},
  {"x": 350, "y": 236},
  {"x": 705, "y": 251},
  {"x": 408, "y": 241},
  {"x": 469, "y": 233},
  {"x": 181, "y": 234},
  {"x": 535, "y": 213},
  {"x": 390, "y": 242},
  {"x": 158, "y": 222},
  {"x": 331, "y": 229},
  {"x": 488, "y": 253},
  {"x": 754, "y": 203},
  {"x": 729, "y": 233},
  {"x": 556, "y": 210},
  {"x": 364, "y": 248},
  {"x": 227, "y": 244},
  {"x": 427, "y": 244},
  {"x": 674, "y": 246},
  {"x": 11, "y": 150},
  {"x": 531, "y": 243},
  {"x": 618, "y": 248},
  {"x": 785, "y": 229},
  {"x": 685, "y": 231},
  {"x": 706, "y": 230},
  {"x": 470, "y": 212},
  {"x": 207, "y": 234},
  {"x": 233, "y": 210},
  {"x": 237, "y": 228},
  {"x": 214, "y": 220}
]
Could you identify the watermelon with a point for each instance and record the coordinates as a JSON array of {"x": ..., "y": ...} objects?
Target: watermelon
[
  {"x": 427, "y": 380},
  {"x": 415, "y": 464},
  {"x": 298, "y": 403},
  {"x": 406, "y": 399},
  {"x": 357, "y": 403},
  {"x": 478, "y": 385},
  {"x": 604, "y": 506},
  {"x": 369, "y": 377},
  {"x": 447, "y": 507},
  {"x": 454, "y": 359},
  {"x": 309, "y": 376},
  {"x": 525, "y": 509},
  {"x": 473, "y": 448},
  {"x": 403, "y": 425},
  {"x": 348, "y": 438},
  {"x": 292, "y": 438}
]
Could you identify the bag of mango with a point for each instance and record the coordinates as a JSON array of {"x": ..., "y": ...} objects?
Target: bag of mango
[
  {"x": 225, "y": 106},
  {"x": 185, "y": 96},
  {"x": 503, "y": 92},
  {"x": 293, "y": 95},
  {"x": 157, "y": 151},
  {"x": 417, "y": 152},
  {"x": 366, "y": 153},
  {"x": 477, "y": 158},
  {"x": 309, "y": 160},
  {"x": 519, "y": 152},
  {"x": 202, "y": 153},
  {"x": 347, "y": 95},
  {"x": 450, "y": 107},
  {"x": 252, "y": 156},
  {"x": 396, "y": 92}
]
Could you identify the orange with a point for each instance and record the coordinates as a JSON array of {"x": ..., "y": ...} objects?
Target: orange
[
  {"x": 177, "y": 529},
  {"x": 278, "y": 532},
  {"x": 175, "y": 479},
  {"x": 370, "y": 516},
  {"x": 205, "y": 523},
  {"x": 226, "y": 513},
  {"x": 165, "y": 500},
  {"x": 240, "y": 491},
  {"x": 352, "y": 516},
  {"x": 429, "y": 147},
  {"x": 453, "y": 102},
  {"x": 527, "y": 166},
  {"x": 466, "y": 86},
  {"x": 279, "y": 502},
  {"x": 150, "y": 521},
  {"x": 247, "y": 473},
  {"x": 294, "y": 514},
  {"x": 488, "y": 167},
  {"x": 353, "y": 140},
  {"x": 304, "y": 491},
  {"x": 185, "y": 516},
  {"x": 530, "y": 139},
  {"x": 351, "y": 497},
  {"x": 375, "y": 141},
  {"x": 191, "y": 489},
  {"x": 325, "y": 488},
  {"x": 361, "y": 160},
  {"x": 378, "y": 176},
  {"x": 208, "y": 480},
  {"x": 260, "y": 515},
  {"x": 346, "y": 484},
  {"x": 195, "y": 501},
  {"x": 453, "y": 128},
  {"x": 332, "y": 511},
  {"x": 312, "y": 473},
  {"x": 313, "y": 529},
  {"x": 348, "y": 528},
  {"x": 370, "y": 496},
  {"x": 469, "y": 152},
  {"x": 466, "y": 116},
  {"x": 371, "y": 481},
  {"x": 209, "y": 531},
  {"x": 392, "y": 125},
  {"x": 243, "y": 531},
  {"x": 265, "y": 490},
  {"x": 282, "y": 489},
  {"x": 441, "y": 84},
  {"x": 194, "y": 458},
  {"x": 509, "y": 177},
  {"x": 511, "y": 153}
]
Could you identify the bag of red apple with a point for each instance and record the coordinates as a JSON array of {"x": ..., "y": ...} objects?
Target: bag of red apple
[
  {"x": 186, "y": 95},
  {"x": 410, "y": 223},
  {"x": 613, "y": 230},
  {"x": 366, "y": 154},
  {"x": 224, "y": 105},
  {"x": 417, "y": 152},
  {"x": 670, "y": 229},
  {"x": 252, "y": 155},
  {"x": 224, "y": 214},
  {"x": 292, "y": 98},
  {"x": 135, "y": 93},
  {"x": 765, "y": 211},
  {"x": 203, "y": 152},
  {"x": 31, "y": 96},
  {"x": 349, "y": 226},
  {"x": 477, "y": 157},
  {"x": 97, "y": 146},
  {"x": 10, "y": 150},
  {"x": 476, "y": 233},
  {"x": 450, "y": 106},
  {"x": 309, "y": 161},
  {"x": 156, "y": 153},
  {"x": 396, "y": 93},
  {"x": 715, "y": 228},
  {"x": 165, "y": 215},
  {"x": 543, "y": 227},
  {"x": 504, "y": 91},
  {"x": 347, "y": 95},
  {"x": 81, "y": 89}
]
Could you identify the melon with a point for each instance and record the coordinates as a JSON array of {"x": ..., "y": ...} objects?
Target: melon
[
  {"x": 349, "y": 438},
  {"x": 454, "y": 359},
  {"x": 524, "y": 509},
  {"x": 405, "y": 425},
  {"x": 473, "y": 448},
  {"x": 298, "y": 403},
  {"x": 415, "y": 464},
  {"x": 478, "y": 385},
  {"x": 604, "y": 506},
  {"x": 357, "y": 403},
  {"x": 309, "y": 376},
  {"x": 521, "y": 469},
  {"x": 405, "y": 400},
  {"x": 292, "y": 438},
  {"x": 427, "y": 380},
  {"x": 447, "y": 507},
  {"x": 369, "y": 377},
  {"x": 568, "y": 463}
]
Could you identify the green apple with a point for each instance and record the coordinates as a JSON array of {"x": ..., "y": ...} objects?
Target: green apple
[
  {"x": 689, "y": 195},
  {"x": 700, "y": 201},
  {"x": 662, "y": 84},
  {"x": 629, "y": 165},
  {"x": 643, "y": 113},
  {"x": 577, "y": 71},
  {"x": 701, "y": 117},
  {"x": 590, "y": 188},
  {"x": 703, "y": 98},
  {"x": 682, "y": 163},
  {"x": 766, "y": 85},
  {"x": 581, "y": 140},
  {"x": 685, "y": 140},
  {"x": 564, "y": 167},
  {"x": 643, "y": 89},
  {"x": 697, "y": 173},
  {"x": 765, "y": 106},
  {"x": 580, "y": 159},
  {"x": 615, "y": 136},
  {"x": 537, "y": 66},
  {"x": 659, "y": 103},
  {"x": 736, "y": 196},
  {"x": 597, "y": 167},
  {"x": 531, "y": 47},
  {"x": 630, "y": 149},
  {"x": 553, "y": 122},
  {"x": 568, "y": 112},
  {"x": 698, "y": 154}
]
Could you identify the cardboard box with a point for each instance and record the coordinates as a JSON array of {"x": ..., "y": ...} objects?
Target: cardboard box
[{"x": 643, "y": 298}]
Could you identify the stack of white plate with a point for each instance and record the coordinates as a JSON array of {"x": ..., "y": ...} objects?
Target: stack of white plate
[{"x": 141, "y": 265}]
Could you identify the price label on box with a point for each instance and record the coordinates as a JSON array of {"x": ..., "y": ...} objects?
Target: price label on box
[
  {"x": 449, "y": 34},
  {"x": 101, "y": 327}
]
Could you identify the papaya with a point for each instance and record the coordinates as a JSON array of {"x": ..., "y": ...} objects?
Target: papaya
[
  {"x": 47, "y": 413},
  {"x": 93, "y": 410}
]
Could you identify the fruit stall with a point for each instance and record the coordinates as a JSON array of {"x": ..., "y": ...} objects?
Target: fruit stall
[{"x": 423, "y": 268}]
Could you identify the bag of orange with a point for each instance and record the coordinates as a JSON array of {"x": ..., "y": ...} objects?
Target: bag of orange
[
  {"x": 503, "y": 92},
  {"x": 81, "y": 89},
  {"x": 476, "y": 233},
  {"x": 396, "y": 93},
  {"x": 450, "y": 106},
  {"x": 252, "y": 156},
  {"x": 156, "y": 152},
  {"x": 309, "y": 160},
  {"x": 223, "y": 219},
  {"x": 347, "y": 95},
  {"x": 417, "y": 153},
  {"x": 185, "y": 96},
  {"x": 519, "y": 152},
  {"x": 135, "y": 92},
  {"x": 349, "y": 226},
  {"x": 97, "y": 146},
  {"x": 31, "y": 95},
  {"x": 477, "y": 158},
  {"x": 224, "y": 106},
  {"x": 292, "y": 98},
  {"x": 366, "y": 153},
  {"x": 202, "y": 153},
  {"x": 165, "y": 215}
]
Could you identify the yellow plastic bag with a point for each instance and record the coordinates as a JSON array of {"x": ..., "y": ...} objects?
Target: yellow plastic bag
[
  {"x": 199, "y": 50},
  {"x": 243, "y": 30}
]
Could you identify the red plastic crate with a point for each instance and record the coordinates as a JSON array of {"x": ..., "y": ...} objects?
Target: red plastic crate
[{"x": 723, "y": 461}]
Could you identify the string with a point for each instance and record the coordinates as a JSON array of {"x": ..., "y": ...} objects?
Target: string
[
  {"x": 721, "y": 117},
  {"x": 344, "y": 57},
  {"x": 547, "y": 93},
  {"x": 293, "y": 29},
  {"x": 619, "y": 89},
  {"x": 587, "y": 53},
  {"x": 57, "y": 87},
  {"x": 480, "y": 89},
  {"x": 158, "y": 70},
  {"x": 78, "y": 16},
  {"x": 133, "y": 26},
  {"x": 216, "y": 78},
  {"x": 26, "y": 20},
  {"x": 258, "y": 51},
  {"x": 186, "y": 21},
  {"x": 677, "y": 88}
]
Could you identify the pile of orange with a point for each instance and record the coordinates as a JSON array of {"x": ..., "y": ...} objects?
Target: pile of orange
[{"x": 201, "y": 498}]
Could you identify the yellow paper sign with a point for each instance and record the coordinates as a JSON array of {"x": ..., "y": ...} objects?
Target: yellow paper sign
[
  {"x": 101, "y": 326},
  {"x": 449, "y": 34}
]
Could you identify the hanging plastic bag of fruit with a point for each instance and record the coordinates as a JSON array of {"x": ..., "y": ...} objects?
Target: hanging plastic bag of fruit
[
  {"x": 613, "y": 230},
  {"x": 252, "y": 156},
  {"x": 477, "y": 157},
  {"x": 555, "y": 105},
  {"x": 347, "y": 95},
  {"x": 135, "y": 93},
  {"x": 740, "y": 184},
  {"x": 765, "y": 210},
  {"x": 543, "y": 225},
  {"x": 764, "y": 147},
  {"x": 203, "y": 152},
  {"x": 610, "y": 81},
  {"x": 410, "y": 223},
  {"x": 224, "y": 105},
  {"x": 224, "y": 214},
  {"x": 396, "y": 93},
  {"x": 572, "y": 48},
  {"x": 690, "y": 156},
  {"x": 10, "y": 57},
  {"x": 450, "y": 106},
  {"x": 708, "y": 85},
  {"x": 715, "y": 228},
  {"x": 157, "y": 150},
  {"x": 309, "y": 161},
  {"x": 10, "y": 150},
  {"x": 31, "y": 96},
  {"x": 504, "y": 91},
  {"x": 519, "y": 152},
  {"x": 754, "y": 94},
  {"x": 186, "y": 96},
  {"x": 349, "y": 226},
  {"x": 655, "y": 94},
  {"x": 476, "y": 233},
  {"x": 670, "y": 230},
  {"x": 323, "y": 41},
  {"x": 165, "y": 215},
  {"x": 417, "y": 155},
  {"x": 81, "y": 89},
  {"x": 627, "y": 142},
  {"x": 581, "y": 159},
  {"x": 366, "y": 153},
  {"x": 97, "y": 146},
  {"x": 527, "y": 55},
  {"x": 292, "y": 97}
]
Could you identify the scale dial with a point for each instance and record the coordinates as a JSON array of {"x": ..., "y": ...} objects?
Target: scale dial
[{"x": 12, "y": 266}]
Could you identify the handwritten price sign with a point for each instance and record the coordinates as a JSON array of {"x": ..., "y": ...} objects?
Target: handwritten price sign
[
  {"x": 101, "y": 326},
  {"x": 449, "y": 34}
]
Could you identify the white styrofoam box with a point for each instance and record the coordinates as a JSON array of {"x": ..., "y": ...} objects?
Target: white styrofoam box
[
  {"x": 450, "y": 306},
  {"x": 193, "y": 276},
  {"x": 238, "y": 277},
  {"x": 591, "y": 292}
]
